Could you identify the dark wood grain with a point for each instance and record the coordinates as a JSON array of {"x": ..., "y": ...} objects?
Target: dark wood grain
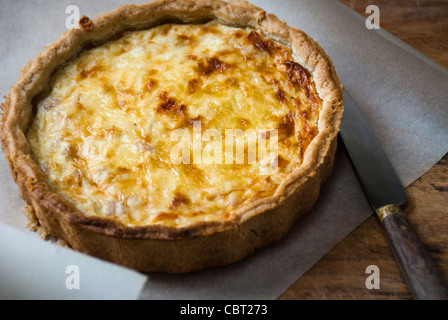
[
  {"x": 341, "y": 274},
  {"x": 423, "y": 24},
  {"x": 419, "y": 271}
]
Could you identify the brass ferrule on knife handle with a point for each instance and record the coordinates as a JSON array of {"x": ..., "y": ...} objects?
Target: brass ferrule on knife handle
[
  {"x": 388, "y": 210},
  {"x": 418, "y": 268}
]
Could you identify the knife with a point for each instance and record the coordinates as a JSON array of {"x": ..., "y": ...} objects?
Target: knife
[{"x": 387, "y": 195}]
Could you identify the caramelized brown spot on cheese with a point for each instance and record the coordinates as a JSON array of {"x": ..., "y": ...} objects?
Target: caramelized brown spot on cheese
[
  {"x": 72, "y": 152},
  {"x": 312, "y": 97},
  {"x": 151, "y": 85},
  {"x": 211, "y": 65},
  {"x": 263, "y": 45},
  {"x": 227, "y": 52},
  {"x": 282, "y": 162},
  {"x": 151, "y": 72},
  {"x": 209, "y": 30},
  {"x": 86, "y": 24},
  {"x": 179, "y": 199},
  {"x": 297, "y": 102},
  {"x": 167, "y": 103},
  {"x": 193, "y": 171},
  {"x": 238, "y": 34},
  {"x": 193, "y": 85},
  {"x": 231, "y": 81},
  {"x": 91, "y": 72},
  {"x": 165, "y": 216},
  {"x": 298, "y": 75},
  {"x": 182, "y": 110},
  {"x": 286, "y": 126},
  {"x": 123, "y": 170},
  {"x": 280, "y": 95},
  {"x": 185, "y": 38},
  {"x": 164, "y": 29},
  {"x": 79, "y": 106}
]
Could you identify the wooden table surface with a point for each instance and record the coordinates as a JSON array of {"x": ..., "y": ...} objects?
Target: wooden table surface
[{"x": 340, "y": 275}]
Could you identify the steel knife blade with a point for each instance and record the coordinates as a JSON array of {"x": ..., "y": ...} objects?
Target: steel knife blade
[{"x": 386, "y": 195}]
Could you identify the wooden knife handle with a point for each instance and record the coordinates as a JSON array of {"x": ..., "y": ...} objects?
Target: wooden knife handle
[{"x": 416, "y": 264}]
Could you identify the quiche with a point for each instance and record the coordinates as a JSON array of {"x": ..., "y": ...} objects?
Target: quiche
[{"x": 173, "y": 136}]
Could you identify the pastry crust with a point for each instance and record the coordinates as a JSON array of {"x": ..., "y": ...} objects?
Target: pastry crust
[{"x": 155, "y": 247}]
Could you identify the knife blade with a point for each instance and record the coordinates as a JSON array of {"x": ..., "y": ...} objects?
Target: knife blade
[{"x": 387, "y": 195}]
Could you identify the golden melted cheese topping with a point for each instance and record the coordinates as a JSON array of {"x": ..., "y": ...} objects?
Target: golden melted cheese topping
[{"x": 104, "y": 134}]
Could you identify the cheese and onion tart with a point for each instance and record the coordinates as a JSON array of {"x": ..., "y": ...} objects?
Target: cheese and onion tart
[
  {"x": 174, "y": 136},
  {"x": 103, "y": 134}
]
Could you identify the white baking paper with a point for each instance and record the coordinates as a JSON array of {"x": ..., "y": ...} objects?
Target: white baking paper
[
  {"x": 37, "y": 270},
  {"x": 402, "y": 94}
]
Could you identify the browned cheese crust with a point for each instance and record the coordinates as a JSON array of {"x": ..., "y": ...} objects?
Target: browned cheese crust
[{"x": 155, "y": 247}]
